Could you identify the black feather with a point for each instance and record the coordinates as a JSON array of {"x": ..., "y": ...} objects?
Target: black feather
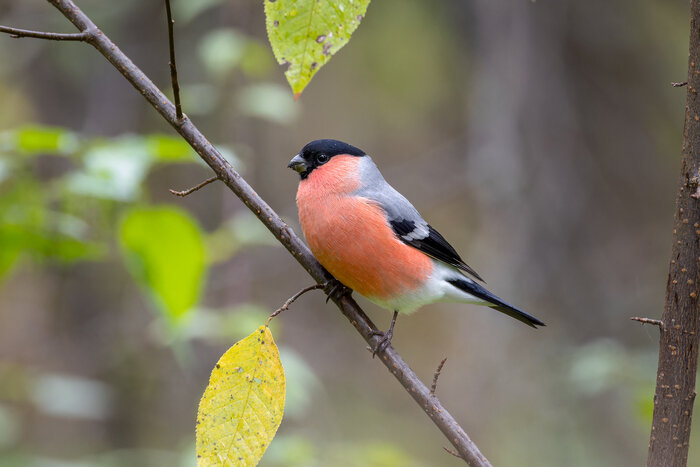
[
  {"x": 433, "y": 245},
  {"x": 328, "y": 148},
  {"x": 478, "y": 291}
]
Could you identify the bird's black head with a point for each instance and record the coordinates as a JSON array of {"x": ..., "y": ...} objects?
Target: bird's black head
[{"x": 319, "y": 152}]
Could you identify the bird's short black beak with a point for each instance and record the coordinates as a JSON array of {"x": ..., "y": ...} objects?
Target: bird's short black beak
[{"x": 297, "y": 163}]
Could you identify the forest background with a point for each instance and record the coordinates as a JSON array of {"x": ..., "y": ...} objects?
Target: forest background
[{"x": 541, "y": 138}]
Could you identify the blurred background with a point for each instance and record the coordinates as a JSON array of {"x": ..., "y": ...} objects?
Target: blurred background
[{"x": 541, "y": 138}]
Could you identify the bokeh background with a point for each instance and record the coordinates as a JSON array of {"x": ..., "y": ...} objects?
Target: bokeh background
[{"x": 542, "y": 138}]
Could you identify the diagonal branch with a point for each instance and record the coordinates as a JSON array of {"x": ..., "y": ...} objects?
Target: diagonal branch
[{"x": 390, "y": 357}]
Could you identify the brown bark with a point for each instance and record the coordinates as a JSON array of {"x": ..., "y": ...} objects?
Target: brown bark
[{"x": 678, "y": 348}]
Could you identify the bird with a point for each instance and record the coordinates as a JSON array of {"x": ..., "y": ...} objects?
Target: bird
[{"x": 373, "y": 241}]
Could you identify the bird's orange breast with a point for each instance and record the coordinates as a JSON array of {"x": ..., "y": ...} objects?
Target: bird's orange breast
[{"x": 351, "y": 238}]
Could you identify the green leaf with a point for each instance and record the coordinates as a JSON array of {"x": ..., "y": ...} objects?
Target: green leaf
[
  {"x": 304, "y": 34},
  {"x": 164, "y": 250},
  {"x": 243, "y": 404},
  {"x": 42, "y": 139}
]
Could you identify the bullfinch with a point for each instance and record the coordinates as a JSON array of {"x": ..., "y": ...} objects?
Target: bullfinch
[{"x": 372, "y": 239}]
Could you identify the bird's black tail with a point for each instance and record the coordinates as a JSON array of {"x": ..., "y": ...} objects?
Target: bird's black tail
[{"x": 472, "y": 288}]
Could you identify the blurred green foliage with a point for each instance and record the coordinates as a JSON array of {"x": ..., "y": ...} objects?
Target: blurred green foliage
[
  {"x": 50, "y": 217},
  {"x": 41, "y": 140},
  {"x": 54, "y": 218},
  {"x": 164, "y": 248},
  {"x": 222, "y": 50},
  {"x": 31, "y": 219}
]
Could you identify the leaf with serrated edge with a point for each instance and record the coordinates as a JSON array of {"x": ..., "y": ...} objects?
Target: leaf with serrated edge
[
  {"x": 242, "y": 407},
  {"x": 304, "y": 34}
]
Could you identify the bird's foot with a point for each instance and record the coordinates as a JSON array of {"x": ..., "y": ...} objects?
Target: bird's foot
[
  {"x": 382, "y": 343},
  {"x": 337, "y": 290},
  {"x": 385, "y": 340}
]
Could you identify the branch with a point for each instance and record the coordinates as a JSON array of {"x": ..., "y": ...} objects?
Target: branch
[
  {"x": 678, "y": 343},
  {"x": 293, "y": 299},
  {"x": 391, "y": 359},
  {"x": 173, "y": 65},
  {"x": 52, "y": 36},
  {"x": 194, "y": 188},
  {"x": 436, "y": 376},
  {"x": 655, "y": 322}
]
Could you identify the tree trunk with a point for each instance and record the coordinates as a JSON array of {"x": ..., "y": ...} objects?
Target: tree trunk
[{"x": 678, "y": 349}]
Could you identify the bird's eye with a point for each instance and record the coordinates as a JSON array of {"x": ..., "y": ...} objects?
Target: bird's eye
[{"x": 322, "y": 158}]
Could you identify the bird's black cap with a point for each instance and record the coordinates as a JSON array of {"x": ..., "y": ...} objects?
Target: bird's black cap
[{"x": 318, "y": 152}]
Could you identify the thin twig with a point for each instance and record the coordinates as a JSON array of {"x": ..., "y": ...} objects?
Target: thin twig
[
  {"x": 52, "y": 36},
  {"x": 194, "y": 188},
  {"x": 173, "y": 65},
  {"x": 655, "y": 322},
  {"x": 440, "y": 416},
  {"x": 679, "y": 85},
  {"x": 293, "y": 299},
  {"x": 452, "y": 452},
  {"x": 436, "y": 376}
]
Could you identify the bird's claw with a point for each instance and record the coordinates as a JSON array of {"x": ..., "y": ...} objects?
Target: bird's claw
[
  {"x": 337, "y": 290},
  {"x": 383, "y": 342}
]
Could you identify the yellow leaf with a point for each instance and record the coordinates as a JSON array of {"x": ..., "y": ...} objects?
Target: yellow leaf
[{"x": 242, "y": 407}]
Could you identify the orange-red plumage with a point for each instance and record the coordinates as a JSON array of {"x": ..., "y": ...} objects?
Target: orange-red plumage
[
  {"x": 351, "y": 237},
  {"x": 372, "y": 239}
]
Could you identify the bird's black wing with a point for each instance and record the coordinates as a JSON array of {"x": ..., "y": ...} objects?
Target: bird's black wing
[
  {"x": 429, "y": 241},
  {"x": 474, "y": 289}
]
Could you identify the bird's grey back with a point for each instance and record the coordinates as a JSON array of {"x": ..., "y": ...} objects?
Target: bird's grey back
[{"x": 377, "y": 189}]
